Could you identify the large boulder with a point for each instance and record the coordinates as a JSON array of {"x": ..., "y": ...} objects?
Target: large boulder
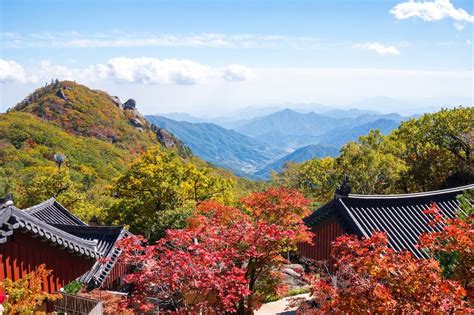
[
  {"x": 137, "y": 123},
  {"x": 165, "y": 138},
  {"x": 130, "y": 104},
  {"x": 293, "y": 276}
]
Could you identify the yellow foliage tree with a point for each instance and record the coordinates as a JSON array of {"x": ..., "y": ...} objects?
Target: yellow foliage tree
[
  {"x": 26, "y": 294},
  {"x": 160, "y": 190}
]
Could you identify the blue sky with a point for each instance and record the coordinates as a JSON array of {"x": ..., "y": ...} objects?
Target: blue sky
[{"x": 212, "y": 57}]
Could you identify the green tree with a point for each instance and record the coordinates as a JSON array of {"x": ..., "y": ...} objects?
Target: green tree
[
  {"x": 6, "y": 182},
  {"x": 372, "y": 164},
  {"x": 43, "y": 183},
  {"x": 316, "y": 179},
  {"x": 437, "y": 149},
  {"x": 160, "y": 190}
]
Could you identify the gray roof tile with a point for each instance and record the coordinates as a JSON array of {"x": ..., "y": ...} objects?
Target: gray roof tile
[
  {"x": 401, "y": 216},
  {"x": 51, "y": 221}
]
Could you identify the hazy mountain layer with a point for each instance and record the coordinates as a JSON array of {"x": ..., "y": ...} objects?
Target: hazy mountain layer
[
  {"x": 221, "y": 146},
  {"x": 299, "y": 155},
  {"x": 261, "y": 145},
  {"x": 289, "y": 129}
]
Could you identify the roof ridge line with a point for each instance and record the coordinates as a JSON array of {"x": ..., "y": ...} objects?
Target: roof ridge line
[
  {"x": 89, "y": 226},
  {"x": 413, "y": 195},
  {"x": 37, "y": 207},
  {"x": 24, "y": 215},
  {"x": 51, "y": 201}
]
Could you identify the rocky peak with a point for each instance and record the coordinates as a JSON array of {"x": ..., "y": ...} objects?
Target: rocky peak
[{"x": 130, "y": 104}]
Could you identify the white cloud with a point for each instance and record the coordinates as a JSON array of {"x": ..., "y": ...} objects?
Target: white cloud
[
  {"x": 378, "y": 48},
  {"x": 237, "y": 73},
  {"x": 46, "y": 70},
  {"x": 140, "y": 70},
  {"x": 156, "y": 71},
  {"x": 430, "y": 11},
  {"x": 10, "y": 71},
  {"x": 468, "y": 42},
  {"x": 458, "y": 26}
]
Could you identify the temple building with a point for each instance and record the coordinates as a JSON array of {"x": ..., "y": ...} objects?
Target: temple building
[
  {"x": 49, "y": 234},
  {"x": 401, "y": 216}
]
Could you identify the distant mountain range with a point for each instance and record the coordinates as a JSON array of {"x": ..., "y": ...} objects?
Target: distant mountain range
[
  {"x": 289, "y": 129},
  {"x": 256, "y": 147},
  {"x": 341, "y": 136},
  {"x": 299, "y": 155},
  {"x": 222, "y": 147}
]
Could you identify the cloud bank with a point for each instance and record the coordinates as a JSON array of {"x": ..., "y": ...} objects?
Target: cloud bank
[
  {"x": 141, "y": 70},
  {"x": 378, "y": 48},
  {"x": 430, "y": 11},
  {"x": 10, "y": 71}
]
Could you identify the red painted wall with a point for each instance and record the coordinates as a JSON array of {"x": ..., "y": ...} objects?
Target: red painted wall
[
  {"x": 113, "y": 279},
  {"x": 325, "y": 233},
  {"x": 22, "y": 253}
]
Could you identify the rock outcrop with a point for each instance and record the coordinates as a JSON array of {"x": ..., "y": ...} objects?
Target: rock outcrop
[
  {"x": 130, "y": 104},
  {"x": 165, "y": 138},
  {"x": 168, "y": 140},
  {"x": 293, "y": 276},
  {"x": 116, "y": 101},
  {"x": 61, "y": 94},
  {"x": 137, "y": 123}
]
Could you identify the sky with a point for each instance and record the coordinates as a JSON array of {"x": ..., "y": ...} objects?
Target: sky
[{"x": 211, "y": 58}]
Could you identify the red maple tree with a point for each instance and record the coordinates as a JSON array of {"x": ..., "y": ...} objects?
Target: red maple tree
[
  {"x": 217, "y": 262},
  {"x": 453, "y": 245},
  {"x": 373, "y": 278}
]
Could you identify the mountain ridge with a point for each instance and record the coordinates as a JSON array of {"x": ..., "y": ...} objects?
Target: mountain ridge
[
  {"x": 220, "y": 146},
  {"x": 93, "y": 113},
  {"x": 98, "y": 135},
  {"x": 258, "y": 152},
  {"x": 290, "y": 130}
]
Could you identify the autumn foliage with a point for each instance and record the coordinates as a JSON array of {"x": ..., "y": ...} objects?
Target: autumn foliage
[
  {"x": 222, "y": 259},
  {"x": 453, "y": 246},
  {"x": 111, "y": 302},
  {"x": 26, "y": 294},
  {"x": 374, "y": 278}
]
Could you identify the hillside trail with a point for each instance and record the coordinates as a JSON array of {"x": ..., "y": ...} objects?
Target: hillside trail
[{"x": 281, "y": 307}]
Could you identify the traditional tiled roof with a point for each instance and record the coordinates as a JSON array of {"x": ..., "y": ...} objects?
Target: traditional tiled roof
[
  {"x": 54, "y": 222},
  {"x": 401, "y": 216},
  {"x": 52, "y": 212},
  {"x": 100, "y": 271},
  {"x": 12, "y": 218},
  {"x": 107, "y": 237}
]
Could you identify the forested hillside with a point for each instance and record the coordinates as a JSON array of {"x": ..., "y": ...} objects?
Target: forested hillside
[
  {"x": 103, "y": 160},
  {"x": 96, "y": 135}
]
